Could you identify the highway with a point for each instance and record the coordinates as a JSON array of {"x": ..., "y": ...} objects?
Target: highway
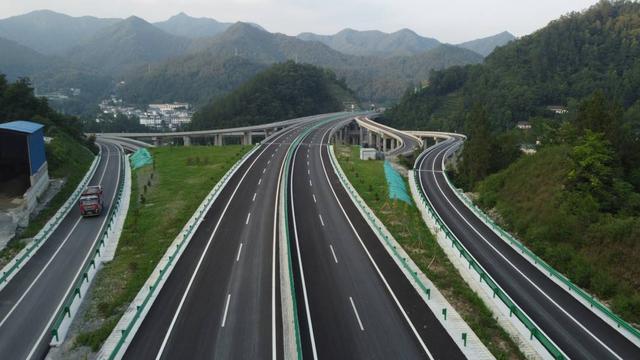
[
  {"x": 574, "y": 328},
  {"x": 222, "y": 298},
  {"x": 33, "y": 297},
  {"x": 409, "y": 143},
  {"x": 353, "y": 300}
]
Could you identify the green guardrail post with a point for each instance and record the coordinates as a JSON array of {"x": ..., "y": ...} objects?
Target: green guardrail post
[
  {"x": 444, "y": 313},
  {"x": 464, "y": 339}
]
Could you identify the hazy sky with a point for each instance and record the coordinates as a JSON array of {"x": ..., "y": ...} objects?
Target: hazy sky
[{"x": 447, "y": 20}]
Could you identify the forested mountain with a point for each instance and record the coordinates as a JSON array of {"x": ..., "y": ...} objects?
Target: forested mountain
[
  {"x": 20, "y": 61},
  {"x": 283, "y": 91},
  {"x": 191, "y": 27},
  {"x": 127, "y": 44},
  {"x": 485, "y": 46},
  {"x": 49, "y": 32},
  {"x": 373, "y": 78},
  {"x": 196, "y": 78},
  {"x": 375, "y": 43},
  {"x": 576, "y": 202}
]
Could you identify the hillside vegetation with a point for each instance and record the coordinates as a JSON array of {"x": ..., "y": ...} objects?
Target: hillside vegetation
[
  {"x": 67, "y": 154},
  {"x": 284, "y": 91},
  {"x": 576, "y": 202}
]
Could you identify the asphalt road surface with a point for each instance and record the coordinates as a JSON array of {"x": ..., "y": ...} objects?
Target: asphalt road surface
[
  {"x": 353, "y": 300},
  {"x": 222, "y": 298},
  {"x": 573, "y": 327},
  {"x": 32, "y": 299}
]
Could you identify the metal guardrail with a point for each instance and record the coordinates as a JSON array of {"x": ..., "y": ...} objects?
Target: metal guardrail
[
  {"x": 186, "y": 234},
  {"x": 538, "y": 261},
  {"x": 287, "y": 164},
  {"x": 50, "y": 226},
  {"x": 514, "y": 310},
  {"x": 71, "y": 297}
]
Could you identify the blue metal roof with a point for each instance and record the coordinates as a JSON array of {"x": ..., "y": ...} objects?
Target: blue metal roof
[{"x": 22, "y": 126}]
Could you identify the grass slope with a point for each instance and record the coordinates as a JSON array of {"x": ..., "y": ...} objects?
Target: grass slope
[
  {"x": 598, "y": 252},
  {"x": 163, "y": 198},
  {"x": 408, "y": 228}
]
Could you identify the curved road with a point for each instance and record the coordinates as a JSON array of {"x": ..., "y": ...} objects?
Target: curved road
[
  {"x": 31, "y": 300},
  {"x": 353, "y": 300},
  {"x": 574, "y": 328}
]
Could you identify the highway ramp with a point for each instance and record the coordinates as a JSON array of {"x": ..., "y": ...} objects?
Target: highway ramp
[{"x": 573, "y": 327}]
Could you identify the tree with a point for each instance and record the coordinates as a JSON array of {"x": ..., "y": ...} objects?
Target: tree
[{"x": 476, "y": 153}]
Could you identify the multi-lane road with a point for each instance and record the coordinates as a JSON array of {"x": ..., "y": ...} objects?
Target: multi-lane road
[
  {"x": 574, "y": 328},
  {"x": 222, "y": 299},
  {"x": 354, "y": 301},
  {"x": 31, "y": 300}
]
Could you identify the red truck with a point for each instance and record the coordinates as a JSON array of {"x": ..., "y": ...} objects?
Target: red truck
[{"x": 91, "y": 203}]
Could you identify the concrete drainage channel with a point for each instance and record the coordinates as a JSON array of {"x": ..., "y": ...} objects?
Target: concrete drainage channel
[
  {"x": 11, "y": 269},
  {"x": 102, "y": 252}
]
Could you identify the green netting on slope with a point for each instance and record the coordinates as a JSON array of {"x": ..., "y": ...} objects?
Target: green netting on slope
[
  {"x": 140, "y": 158},
  {"x": 397, "y": 189}
]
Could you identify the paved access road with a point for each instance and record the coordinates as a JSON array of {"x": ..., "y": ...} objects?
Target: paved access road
[
  {"x": 353, "y": 300},
  {"x": 33, "y": 297},
  {"x": 573, "y": 327},
  {"x": 222, "y": 298}
]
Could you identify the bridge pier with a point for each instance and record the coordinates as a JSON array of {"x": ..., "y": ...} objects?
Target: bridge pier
[
  {"x": 186, "y": 141},
  {"x": 246, "y": 138},
  {"x": 156, "y": 141},
  {"x": 217, "y": 140}
]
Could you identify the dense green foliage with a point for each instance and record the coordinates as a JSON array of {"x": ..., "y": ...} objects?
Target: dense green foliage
[
  {"x": 284, "y": 91},
  {"x": 558, "y": 65},
  {"x": 67, "y": 153},
  {"x": 17, "y": 102},
  {"x": 576, "y": 202}
]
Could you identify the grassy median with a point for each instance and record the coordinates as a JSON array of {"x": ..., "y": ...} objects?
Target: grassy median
[
  {"x": 163, "y": 198},
  {"x": 405, "y": 223}
]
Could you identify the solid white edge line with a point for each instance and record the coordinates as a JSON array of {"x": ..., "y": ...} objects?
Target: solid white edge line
[
  {"x": 248, "y": 217},
  {"x": 226, "y": 310},
  {"x": 104, "y": 171},
  {"x": 355, "y": 311},
  {"x": 314, "y": 198},
  {"x": 321, "y": 221},
  {"x": 204, "y": 252},
  {"x": 53, "y": 317},
  {"x": 44, "y": 268},
  {"x": 254, "y": 196},
  {"x": 512, "y": 265},
  {"x": 295, "y": 231},
  {"x": 384, "y": 280}
]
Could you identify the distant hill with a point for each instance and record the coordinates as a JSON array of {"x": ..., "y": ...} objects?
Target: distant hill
[
  {"x": 49, "y": 32},
  {"x": 560, "y": 64},
  {"x": 196, "y": 78},
  {"x": 373, "y": 78},
  {"x": 126, "y": 44},
  {"x": 485, "y": 46},
  {"x": 20, "y": 61},
  {"x": 374, "y": 42},
  {"x": 191, "y": 27},
  {"x": 283, "y": 91}
]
